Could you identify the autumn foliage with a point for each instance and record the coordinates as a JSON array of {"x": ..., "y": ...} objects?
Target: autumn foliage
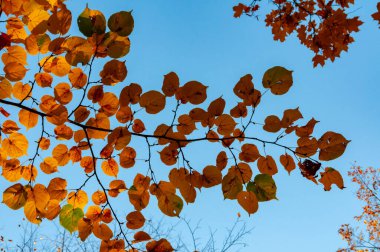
[
  {"x": 71, "y": 130},
  {"x": 365, "y": 237},
  {"x": 323, "y": 26}
]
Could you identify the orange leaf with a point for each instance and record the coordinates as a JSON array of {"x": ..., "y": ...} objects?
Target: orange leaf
[
  {"x": 59, "y": 66},
  {"x": 113, "y": 72},
  {"x": 57, "y": 189},
  {"x": 79, "y": 50},
  {"x": 161, "y": 245},
  {"x": 141, "y": 236},
  {"x": 102, "y": 121},
  {"x": 231, "y": 185},
  {"x": 44, "y": 143},
  {"x": 20, "y": 91},
  {"x": 290, "y": 116},
  {"x": 35, "y": 44},
  {"x": 15, "y": 196},
  {"x": 87, "y": 163},
  {"x": 216, "y": 107},
  {"x": 249, "y": 153},
  {"x": 27, "y": 118},
  {"x": 212, "y": 176},
  {"x": 278, "y": 80},
  {"x": 127, "y": 157},
  {"x": 138, "y": 126},
  {"x": 248, "y": 201},
  {"x": 226, "y": 124},
  {"x": 61, "y": 154},
  {"x": 170, "y": 84},
  {"x": 135, "y": 220},
  {"x": 9, "y": 127},
  {"x": 288, "y": 162},
  {"x": 193, "y": 92},
  {"x": 329, "y": 177},
  {"x": 62, "y": 93},
  {"x": 58, "y": 116},
  {"x": 267, "y": 165},
  {"x": 272, "y": 124},
  {"x": 5, "y": 88},
  {"x": 116, "y": 186},
  {"x": 77, "y": 78},
  {"x": 16, "y": 145},
  {"x": 43, "y": 79},
  {"x": 15, "y": 71},
  {"x": 84, "y": 228},
  {"x": 63, "y": 132},
  {"x": 169, "y": 155},
  {"x": 110, "y": 167},
  {"x": 222, "y": 160},
  {"x": 81, "y": 114},
  {"x": 306, "y": 130},
  {"x": 102, "y": 231},
  {"x": 16, "y": 54},
  {"x": 78, "y": 199},
  {"x": 99, "y": 197},
  {"x": 49, "y": 165},
  {"x": 152, "y": 101},
  {"x": 307, "y": 147},
  {"x": 186, "y": 125},
  {"x": 109, "y": 104},
  {"x": 332, "y": 145},
  {"x": 240, "y": 110},
  {"x": 12, "y": 170}
]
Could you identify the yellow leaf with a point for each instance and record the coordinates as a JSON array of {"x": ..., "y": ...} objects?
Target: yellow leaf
[
  {"x": 16, "y": 145},
  {"x": 20, "y": 91},
  {"x": 27, "y": 118},
  {"x": 12, "y": 171},
  {"x": 37, "y": 21},
  {"x": 77, "y": 199},
  {"x": 14, "y": 71},
  {"x": 14, "y": 54}
]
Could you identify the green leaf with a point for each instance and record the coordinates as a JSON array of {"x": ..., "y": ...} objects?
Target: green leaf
[
  {"x": 122, "y": 23},
  {"x": 69, "y": 217},
  {"x": 278, "y": 80},
  {"x": 264, "y": 187},
  {"x": 91, "y": 21}
]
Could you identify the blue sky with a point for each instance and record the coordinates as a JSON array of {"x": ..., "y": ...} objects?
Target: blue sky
[{"x": 200, "y": 40}]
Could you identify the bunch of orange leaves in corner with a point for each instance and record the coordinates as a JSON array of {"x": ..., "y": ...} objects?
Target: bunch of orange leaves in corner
[{"x": 324, "y": 26}]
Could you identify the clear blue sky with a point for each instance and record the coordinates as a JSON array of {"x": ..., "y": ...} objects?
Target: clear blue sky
[{"x": 200, "y": 40}]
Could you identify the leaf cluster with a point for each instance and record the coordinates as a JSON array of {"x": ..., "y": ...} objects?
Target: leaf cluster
[{"x": 70, "y": 128}]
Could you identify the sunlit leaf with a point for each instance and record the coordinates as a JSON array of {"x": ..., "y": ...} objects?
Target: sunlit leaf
[{"x": 69, "y": 217}]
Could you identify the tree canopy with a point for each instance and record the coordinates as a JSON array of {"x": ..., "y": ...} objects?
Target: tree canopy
[
  {"x": 323, "y": 26},
  {"x": 96, "y": 129}
]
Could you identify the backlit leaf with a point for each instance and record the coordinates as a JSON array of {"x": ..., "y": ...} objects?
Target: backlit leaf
[
  {"x": 278, "y": 80},
  {"x": 332, "y": 145},
  {"x": 331, "y": 176},
  {"x": 91, "y": 21},
  {"x": 121, "y": 22},
  {"x": 69, "y": 217}
]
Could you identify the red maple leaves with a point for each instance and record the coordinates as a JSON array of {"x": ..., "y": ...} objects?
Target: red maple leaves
[{"x": 323, "y": 26}]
